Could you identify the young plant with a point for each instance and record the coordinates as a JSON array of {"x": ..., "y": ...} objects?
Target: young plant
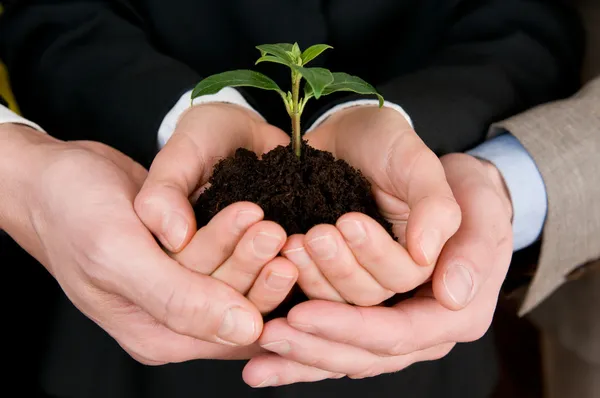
[{"x": 319, "y": 81}]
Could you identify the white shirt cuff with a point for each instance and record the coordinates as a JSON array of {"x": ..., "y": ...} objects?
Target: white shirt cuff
[
  {"x": 169, "y": 123},
  {"x": 8, "y": 116},
  {"x": 351, "y": 104},
  {"x": 524, "y": 182}
]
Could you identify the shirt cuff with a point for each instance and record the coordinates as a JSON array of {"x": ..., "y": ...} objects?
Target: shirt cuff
[
  {"x": 8, "y": 116},
  {"x": 525, "y": 185},
  {"x": 228, "y": 95},
  {"x": 364, "y": 102}
]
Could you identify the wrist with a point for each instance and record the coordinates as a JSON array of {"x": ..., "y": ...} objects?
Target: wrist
[
  {"x": 21, "y": 151},
  {"x": 359, "y": 119},
  {"x": 219, "y": 117}
]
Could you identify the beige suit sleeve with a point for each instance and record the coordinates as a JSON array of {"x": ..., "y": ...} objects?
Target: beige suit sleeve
[{"x": 564, "y": 140}]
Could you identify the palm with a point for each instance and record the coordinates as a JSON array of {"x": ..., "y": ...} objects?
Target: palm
[
  {"x": 117, "y": 238},
  {"x": 408, "y": 179}
]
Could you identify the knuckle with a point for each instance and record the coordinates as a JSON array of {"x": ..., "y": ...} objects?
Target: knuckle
[
  {"x": 375, "y": 254},
  {"x": 401, "y": 347},
  {"x": 369, "y": 299},
  {"x": 404, "y": 341},
  {"x": 340, "y": 271},
  {"x": 404, "y": 283},
  {"x": 146, "y": 350},
  {"x": 448, "y": 206},
  {"x": 477, "y": 330},
  {"x": 370, "y": 371},
  {"x": 185, "y": 312},
  {"x": 441, "y": 352},
  {"x": 98, "y": 262}
]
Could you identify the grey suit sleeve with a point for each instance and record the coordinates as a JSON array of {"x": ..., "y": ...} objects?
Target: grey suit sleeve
[{"x": 564, "y": 140}]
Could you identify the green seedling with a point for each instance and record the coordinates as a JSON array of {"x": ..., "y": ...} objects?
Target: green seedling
[{"x": 319, "y": 81}]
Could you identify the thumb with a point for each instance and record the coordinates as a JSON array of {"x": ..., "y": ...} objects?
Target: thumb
[
  {"x": 184, "y": 164},
  {"x": 482, "y": 247},
  {"x": 163, "y": 204}
]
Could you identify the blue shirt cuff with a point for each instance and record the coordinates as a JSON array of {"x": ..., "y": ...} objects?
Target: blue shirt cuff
[{"x": 525, "y": 185}]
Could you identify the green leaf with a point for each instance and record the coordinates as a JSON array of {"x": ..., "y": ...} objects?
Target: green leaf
[
  {"x": 270, "y": 58},
  {"x": 234, "y": 78},
  {"x": 279, "y": 50},
  {"x": 317, "y": 78},
  {"x": 313, "y": 52},
  {"x": 345, "y": 82},
  {"x": 296, "y": 50}
]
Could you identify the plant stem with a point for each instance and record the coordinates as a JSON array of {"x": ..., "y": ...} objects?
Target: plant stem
[{"x": 296, "y": 133}]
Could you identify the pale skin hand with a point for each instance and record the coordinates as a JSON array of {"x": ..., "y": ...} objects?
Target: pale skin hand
[
  {"x": 320, "y": 339},
  {"x": 71, "y": 206},
  {"x": 206, "y": 134},
  {"x": 357, "y": 261}
]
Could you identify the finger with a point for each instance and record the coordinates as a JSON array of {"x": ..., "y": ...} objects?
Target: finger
[
  {"x": 395, "y": 210},
  {"x": 273, "y": 370},
  {"x": 310, "y": 279},
  {"x": 396, "y": 160},
  {"x": 335, "y": 260},
  {"x": 434, "y": 214},
  {"x": 385, "y": 259},
  {"x": 259, "y": 245},
  {"x": 184, "y": 164},
  {"x": 412, "y": 325},
  {"x": 269, "y": 370},
  {"x": 273, "y": 285},
  {"x": 186, "y": 302},
  {"x": 338, "y": 358},
  {"x": 483, "y": 241},
  {"x": 150, "y": 342},
  {"x": 278, "y": 337},
  {"x": 215, "y": 242}
]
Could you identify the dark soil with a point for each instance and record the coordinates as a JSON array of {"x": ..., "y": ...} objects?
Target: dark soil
[{"x": 295, "y": 193}]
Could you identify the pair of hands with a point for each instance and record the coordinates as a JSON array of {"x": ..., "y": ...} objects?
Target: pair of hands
[{"x": 211, "y": 288}]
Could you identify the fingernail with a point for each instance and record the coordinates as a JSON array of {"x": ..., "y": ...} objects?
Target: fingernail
[
  {"x": 279, "y": 281},
  {"x": 175, "y": 230},
  {"x": 354, "y": 231},
  {"x": 245, "y": 218},
  {"x": 278, "y": 347},
  {"x": 323, "y": 247},
  {"x": 266, "y": 245},
  {"x": 298, "y": 256},
  {"x": 237, "y": 326},
  {"x": 270, "y": 381},
  {"x": 431, "y": 244},
  {"x": 304, "y": 328},
  {"x": 459, "y": 284}
]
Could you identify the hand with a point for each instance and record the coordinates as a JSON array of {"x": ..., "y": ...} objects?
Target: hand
[
  {"x": 205, "y": 134},
  {"x": 356, "y": 260},
  {"x": 236, "y": 247},
  {"x": 320, "y": 340},
  {"x": 71, "y": 206}
]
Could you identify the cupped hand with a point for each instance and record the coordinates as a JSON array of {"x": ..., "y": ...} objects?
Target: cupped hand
[
  {"x": 356, "y": 260},
  {"x": 72, "y": 208},
  {"x": 321, "y": 339},
  {"x": 204, "y": 135}
]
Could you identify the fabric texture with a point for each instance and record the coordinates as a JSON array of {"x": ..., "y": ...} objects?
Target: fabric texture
[{"x": 564, "y": 140}]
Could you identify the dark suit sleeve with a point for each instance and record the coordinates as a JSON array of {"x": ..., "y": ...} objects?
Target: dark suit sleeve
[
  {"x": 86, "y": 70},
  {"x": 497, "y": 58}
]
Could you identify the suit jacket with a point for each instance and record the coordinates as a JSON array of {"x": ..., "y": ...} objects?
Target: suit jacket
[
  {"x": 110, "y": 70},
  {"x": 564, "y": 139}
]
